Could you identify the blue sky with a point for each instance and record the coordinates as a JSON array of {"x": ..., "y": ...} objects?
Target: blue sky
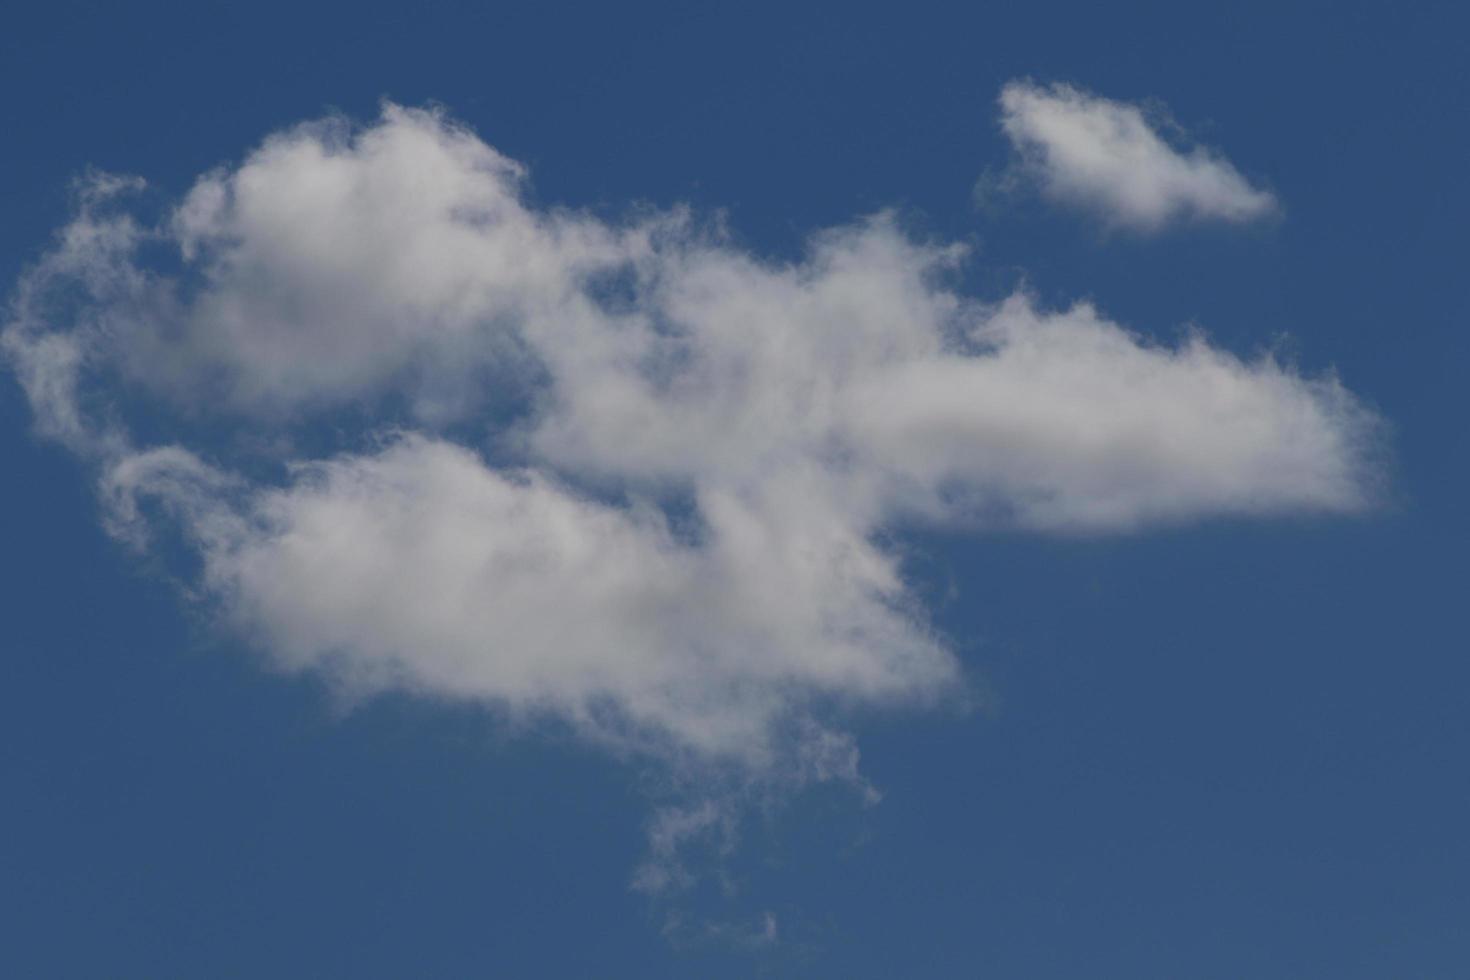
[{"x": 550, "y": 527}]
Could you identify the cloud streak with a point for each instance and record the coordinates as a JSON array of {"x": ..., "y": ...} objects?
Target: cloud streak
[{"x": 1104, "y": 157}]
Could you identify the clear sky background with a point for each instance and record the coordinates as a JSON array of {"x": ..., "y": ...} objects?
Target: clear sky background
[{"x": 1230, "y": 749}]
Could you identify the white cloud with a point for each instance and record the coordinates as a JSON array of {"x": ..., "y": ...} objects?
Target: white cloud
[
  {"x": 1068, "y": 422},
  {"x": 1104, "y": 156},
  {"x": 418, "y": 567},
  {"x": 629, "y": 476}
]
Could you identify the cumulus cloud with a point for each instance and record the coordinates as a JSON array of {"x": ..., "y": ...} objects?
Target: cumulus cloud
[
  {"x": 626, "y": 475},
  {"x": 1105, "y": 157}
]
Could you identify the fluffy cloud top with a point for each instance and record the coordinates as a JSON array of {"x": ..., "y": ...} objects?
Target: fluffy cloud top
[
  {"x": 1103, "y": 156},
  {"x": 628, "y": 475}
]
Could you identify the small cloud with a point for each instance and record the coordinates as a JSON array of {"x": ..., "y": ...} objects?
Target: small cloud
[
  {"x": 1106, "y": 157},
  {"x": 759, "y": 935}
]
